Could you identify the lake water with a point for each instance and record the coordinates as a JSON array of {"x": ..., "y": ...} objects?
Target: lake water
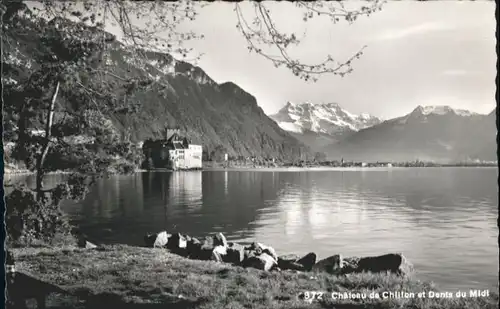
[{"x": 443, "y": 219}]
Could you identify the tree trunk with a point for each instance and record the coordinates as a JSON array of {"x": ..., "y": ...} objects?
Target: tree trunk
[{"x": 45, "y": 150}]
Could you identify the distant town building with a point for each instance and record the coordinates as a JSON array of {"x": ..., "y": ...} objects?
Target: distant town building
[
  {"x": 38, "y": 132},
  {"x": 175, "y": 152}
]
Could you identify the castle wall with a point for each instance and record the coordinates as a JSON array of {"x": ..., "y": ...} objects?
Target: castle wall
[{"x": 189, "y": 158}]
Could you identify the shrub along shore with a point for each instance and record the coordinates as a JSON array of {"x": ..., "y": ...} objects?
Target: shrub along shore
[{"x": 177, "y": 271}]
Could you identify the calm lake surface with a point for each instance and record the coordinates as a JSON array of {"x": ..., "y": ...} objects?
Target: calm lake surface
[{"x": 443, "y": 219}]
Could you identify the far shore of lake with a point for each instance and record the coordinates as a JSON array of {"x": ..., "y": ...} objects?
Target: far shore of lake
[
  {"x": 326, "y": 166},
  {"x": 223, "y": 167},
  {"x": 329, "y": 168},
  {"x": 9, "y": 171}
]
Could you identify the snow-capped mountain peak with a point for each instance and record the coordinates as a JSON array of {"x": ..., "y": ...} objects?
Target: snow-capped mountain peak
[
  {"x": 441, "y": 110},
  {"x": 327, "y": 118}
]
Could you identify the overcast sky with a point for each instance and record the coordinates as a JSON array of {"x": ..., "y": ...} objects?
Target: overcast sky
[{"x": 432, "y": 53}]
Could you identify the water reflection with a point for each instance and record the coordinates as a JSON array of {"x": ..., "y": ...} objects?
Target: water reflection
[
  {"x": 425, "y": 214},
  {"x": 193, "y": 202},
  {"x": 225, "y": 184},
  {"x": 444, "y": 220}
]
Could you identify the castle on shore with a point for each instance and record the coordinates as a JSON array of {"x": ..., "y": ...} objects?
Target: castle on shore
[{"x": 176, "y": 152}]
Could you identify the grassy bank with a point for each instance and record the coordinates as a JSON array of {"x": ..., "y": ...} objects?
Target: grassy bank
[{"x": 133, "y": 277}]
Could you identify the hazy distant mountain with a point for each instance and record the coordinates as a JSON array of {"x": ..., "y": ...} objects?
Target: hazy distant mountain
[
  {"x": 320, "y": 124},
  {"x": 215, "y": 115},
  {"x": 438, "y": 133}
]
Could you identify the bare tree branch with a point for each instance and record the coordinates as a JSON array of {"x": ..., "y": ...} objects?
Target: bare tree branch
[
  {"x": 161, "y": 20},
  {"x": 263, "y": 31}
]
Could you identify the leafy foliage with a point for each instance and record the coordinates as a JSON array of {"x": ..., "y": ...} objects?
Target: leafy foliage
[
  {"x": 68, "y": 55},
  {"x": 58, "y": 118},
  {"x": 29, "y": 220}
]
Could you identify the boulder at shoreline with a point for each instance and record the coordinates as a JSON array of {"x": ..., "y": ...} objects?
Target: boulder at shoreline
[
  {"x": 177, "y": 243},
  {"x": 193, "y": 248},
  {"x": 331, "y": 265},
  {"x": 263, "y": 257},
  {"x": 218, "y": 252},
  {"x": 262, "y": 261},
  {"x": 394, "y": 263},
  {"x": 235, "y": 254},
  {"x": 157, "y": 240},
  {"x": 220, "y": 240},
  {"x": 295, "y": 262}
]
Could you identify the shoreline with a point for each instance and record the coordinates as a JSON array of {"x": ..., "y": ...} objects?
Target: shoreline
[
  {"x": 28, "y": 172},
  {"x": 13, "y": 172},
  {"x": 333, "y": 168},
  {"x": 136, "y": 276}
]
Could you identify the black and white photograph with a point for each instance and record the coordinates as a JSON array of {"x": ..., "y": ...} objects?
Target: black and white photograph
[{"x": 250, "y": 155}]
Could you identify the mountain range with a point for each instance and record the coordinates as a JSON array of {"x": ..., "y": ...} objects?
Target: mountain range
[
  {"x": 327, "y": 118},
  {"x": 437, "y": 133},
  {"x": 224, "y": 116},
  {"x": 217, "y": 115},
  {"x": 319, "y": 125}
]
